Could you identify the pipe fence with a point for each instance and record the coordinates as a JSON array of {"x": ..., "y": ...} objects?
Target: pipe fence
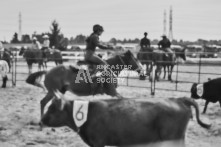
[{"x": 193, "y": 70}]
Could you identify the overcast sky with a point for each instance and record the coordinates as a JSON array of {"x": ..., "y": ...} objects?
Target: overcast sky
[{"x": 192, "y": 19}]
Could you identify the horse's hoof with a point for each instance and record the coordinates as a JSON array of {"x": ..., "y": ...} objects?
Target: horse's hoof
[{"x": 142, "y": 77}]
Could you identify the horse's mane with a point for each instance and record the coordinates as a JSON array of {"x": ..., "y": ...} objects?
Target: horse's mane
[{"x": 74, "y": 68}]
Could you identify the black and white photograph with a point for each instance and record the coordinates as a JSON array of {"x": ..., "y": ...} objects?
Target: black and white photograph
[{"x": 101, "y": 73}]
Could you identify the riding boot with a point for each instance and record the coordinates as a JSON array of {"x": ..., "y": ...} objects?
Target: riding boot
[
  {"x": 4, "y": 80},
  {"x": 119, "y": 96}
]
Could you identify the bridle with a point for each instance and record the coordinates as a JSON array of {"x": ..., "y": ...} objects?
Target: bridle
[{"x": 122, "y": 61}]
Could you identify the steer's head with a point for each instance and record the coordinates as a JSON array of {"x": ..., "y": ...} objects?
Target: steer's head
[
  {"x": 194, "y": 91},
  {"x": 57, "y": 113}
]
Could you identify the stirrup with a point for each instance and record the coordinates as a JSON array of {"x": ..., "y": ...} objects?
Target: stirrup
[{"x": 97, "y": 74}]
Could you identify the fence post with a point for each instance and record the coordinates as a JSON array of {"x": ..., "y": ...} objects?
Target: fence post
[
  {"x": 153, "y": 81},
  {"x": 177, "y": 67},
  {"x": 199, "y": 69}
]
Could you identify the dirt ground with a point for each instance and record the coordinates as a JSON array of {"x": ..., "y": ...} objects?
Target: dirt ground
[{"x": 20, "y": 105}]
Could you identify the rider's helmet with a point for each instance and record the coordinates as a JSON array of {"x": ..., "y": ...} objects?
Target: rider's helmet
[{"x": 98, "y": 28}]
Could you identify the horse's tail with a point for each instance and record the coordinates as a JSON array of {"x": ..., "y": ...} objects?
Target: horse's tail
[{"x": 36, "y": 78}]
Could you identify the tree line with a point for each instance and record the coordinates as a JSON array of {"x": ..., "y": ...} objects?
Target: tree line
[{"x": 58, "y": 40}]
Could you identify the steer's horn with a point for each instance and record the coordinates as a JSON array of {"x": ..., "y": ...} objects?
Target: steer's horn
[{"x": 60, "y": 96}]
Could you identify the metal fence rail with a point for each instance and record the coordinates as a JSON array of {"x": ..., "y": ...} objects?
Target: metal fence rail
[{"x": 192, "y": 71}]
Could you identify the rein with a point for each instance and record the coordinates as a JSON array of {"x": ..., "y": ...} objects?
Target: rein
[{"x": 122, "y": 61}]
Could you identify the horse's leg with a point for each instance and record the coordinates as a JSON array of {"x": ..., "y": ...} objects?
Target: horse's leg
[
  {"x": 171, "y": 71},
  {"x": 56, "y": 63},
  {"x": 30, "y": 69},
  {"x": 46, "y": 65},
  {"x": 40, "y": 64},
  {"x": 148, "y": 68},
  {"x": 158, "y": 72},
  {"x": 164, "y": 69},
  {"x": 168, "y": 72}
]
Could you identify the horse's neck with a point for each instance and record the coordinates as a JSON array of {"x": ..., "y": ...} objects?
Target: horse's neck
[
  {"x": 115, "y": 64},
  {"x": 178, "y": 54}
]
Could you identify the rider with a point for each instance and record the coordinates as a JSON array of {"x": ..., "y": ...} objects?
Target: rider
[
  {"x": 91, "y": 43},
  {"x": 35, "y": 44},
  {"x": 144, "y": 45},
  {"x": 46, "y": 42},
  {"x": 165, "y": 44},
  {"x": 145, "y": 42},
  {"x": 45, "y": 45}
]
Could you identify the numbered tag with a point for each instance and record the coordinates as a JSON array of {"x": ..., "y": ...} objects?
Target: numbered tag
[
  {"x": 80, "y": 111},
  {"x": 200, "y": 90}
]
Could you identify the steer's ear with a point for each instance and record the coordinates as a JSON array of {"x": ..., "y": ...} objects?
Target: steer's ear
[{"x": 60, "y": 96}]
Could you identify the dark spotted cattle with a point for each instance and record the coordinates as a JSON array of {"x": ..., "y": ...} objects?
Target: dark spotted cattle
[
  {"x": 124, "y": 122},
  {"x": 209, "y": 91}
]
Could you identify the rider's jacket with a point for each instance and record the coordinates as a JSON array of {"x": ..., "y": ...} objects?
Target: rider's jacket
[
  {"x": 36, "y": 45},
  {"x": 144, "y": 43},
  {"x": 93, "y": 42},
  {"x": 46, "y": 43},
  {"x": 165, "y": 43}
]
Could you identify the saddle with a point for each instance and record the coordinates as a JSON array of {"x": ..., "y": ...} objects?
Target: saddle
[{"x": 91, "y": 67}]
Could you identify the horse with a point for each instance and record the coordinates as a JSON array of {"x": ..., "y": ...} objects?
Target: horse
[
  {"x": 145, "y": 57},
  {"x": 4, "y": 69},
  {"x": 160, "y": 60},
  {"x": 64, "y": 78},
  {"x": 32, "y": 56},
  {"x": 170, "y": 61},
  {"x": 53, "y": 55}
]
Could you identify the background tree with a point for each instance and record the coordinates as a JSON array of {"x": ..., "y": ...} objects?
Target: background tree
[
  {"x": 25, "y": 38},
  {"x": 15, "y": 38},
  {"x": 55, "y": 35},
  {"x": 113, "y": 40},
  {"x": 79, "y": 39}
]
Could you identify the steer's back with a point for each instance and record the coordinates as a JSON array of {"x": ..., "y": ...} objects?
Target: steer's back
[{"x": 120, "y": 122}]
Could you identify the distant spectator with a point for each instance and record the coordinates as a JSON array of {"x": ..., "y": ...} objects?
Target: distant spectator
[
  {"x": 46, "y": 42},
  {"x": 35, "y": 44},
  {"x": 45, "y": 45},
  {"x": 1, "y": 50}
]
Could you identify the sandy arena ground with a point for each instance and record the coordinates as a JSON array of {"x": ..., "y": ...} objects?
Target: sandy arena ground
[{"x": 20, "y": 105}]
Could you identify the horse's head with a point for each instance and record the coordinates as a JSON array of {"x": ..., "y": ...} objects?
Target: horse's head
[
  {"x": 181, "y": 53},
  {"x": 131, "y": 61},
  {"x": 22, "y": 51}
]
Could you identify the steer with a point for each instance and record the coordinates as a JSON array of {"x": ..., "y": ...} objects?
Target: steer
[
  {"x": 124, "y": 122},
  {"x": 210, "y": 91}
]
